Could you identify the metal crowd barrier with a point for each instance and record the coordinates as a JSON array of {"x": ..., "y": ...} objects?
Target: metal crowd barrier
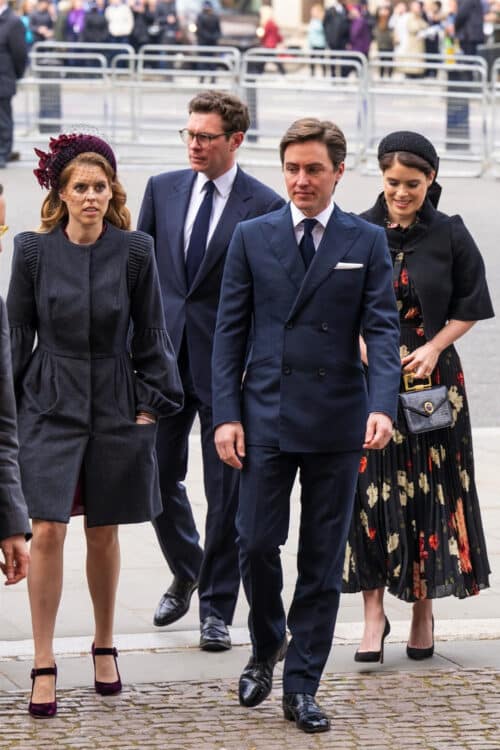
[
  {"x": 451, "y": 98},
  {"x": 150, "y": 104},
  {"x": 140, "y": 98},
  {"x": 494, "y": 134},
  {"x": 68, "y": 85},
  {"x": 329, "y": 84}
]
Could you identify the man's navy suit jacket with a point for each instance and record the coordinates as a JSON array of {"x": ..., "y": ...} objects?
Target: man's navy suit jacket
[
  {"x": 304, "y": 388},
  {"x": 193, "y": 311}
]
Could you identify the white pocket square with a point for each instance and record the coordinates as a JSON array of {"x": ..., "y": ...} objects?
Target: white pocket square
[{"x": 347, "y": 266}]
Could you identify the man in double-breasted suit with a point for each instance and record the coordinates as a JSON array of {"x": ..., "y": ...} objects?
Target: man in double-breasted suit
[
  {"x": 191, "y": 214},
  {"x": 303, "y": 282}
]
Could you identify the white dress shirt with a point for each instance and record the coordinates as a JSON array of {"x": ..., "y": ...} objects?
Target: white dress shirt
[
  {"x": 322, "y": 218},
  {"x": 223, "y": 187}
]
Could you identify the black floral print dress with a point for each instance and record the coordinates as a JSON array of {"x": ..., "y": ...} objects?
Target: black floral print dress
[{"x": 416, "y": 525}]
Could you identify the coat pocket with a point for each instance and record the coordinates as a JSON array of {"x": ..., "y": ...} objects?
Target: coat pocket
[
  {"x": 41, "y": 384},
  {"x": 124, "y": 391}
]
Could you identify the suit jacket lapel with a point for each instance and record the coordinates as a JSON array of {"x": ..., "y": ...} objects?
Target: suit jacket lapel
[
  {"x": 337, "y": 239},
  {"x": 281, "y": 237},
  {"x": 175, "y": 205}
]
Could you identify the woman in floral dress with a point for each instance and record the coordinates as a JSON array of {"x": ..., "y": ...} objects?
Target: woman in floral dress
[{"x": 416, "y": 527}]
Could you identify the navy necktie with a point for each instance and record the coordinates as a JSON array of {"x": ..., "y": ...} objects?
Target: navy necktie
[
  {"x": 198, "y": 240},
  {"x": 307, "y": 249}
]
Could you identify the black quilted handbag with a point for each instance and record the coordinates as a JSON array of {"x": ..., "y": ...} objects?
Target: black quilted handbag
[{"x": 425, "y": 407}]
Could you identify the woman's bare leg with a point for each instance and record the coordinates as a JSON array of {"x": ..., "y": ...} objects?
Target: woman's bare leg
[
  {"x": 421, "y": 625},
  {"x": 373, "y": 602},
  {"x": 45, "y": 578},
  {"x": 103, "y": 570}
]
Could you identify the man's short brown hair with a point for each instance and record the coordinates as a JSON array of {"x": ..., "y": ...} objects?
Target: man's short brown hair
[
  {"x": 312, "y": 129},
  {"x": 233, "y": 112}
]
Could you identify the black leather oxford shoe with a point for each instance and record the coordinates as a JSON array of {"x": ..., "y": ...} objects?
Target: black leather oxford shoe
[
  {"x": 175, "y": 602},
  {"x": 305, "y": 712},
  {"x": 256, "y": 680},
  {"x": 214, "y": 635}
]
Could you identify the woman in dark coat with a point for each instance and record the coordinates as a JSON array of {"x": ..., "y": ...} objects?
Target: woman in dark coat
[
  {"x": 90, "y": 392},
  {"x": 416, "y": 525}
]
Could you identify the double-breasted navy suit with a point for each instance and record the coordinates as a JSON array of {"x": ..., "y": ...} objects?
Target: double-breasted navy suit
[
  {"x": 191, "y": 316},
  {"x": 303, "y": 403}
]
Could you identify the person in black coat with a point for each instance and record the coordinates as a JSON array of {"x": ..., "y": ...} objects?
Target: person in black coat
[
  {"x": 469, "y": 25},
  {"x": 13, "y": 59},
  {"x": 95, "y": 27},
  {"x": 416, "y": 527},
  {"x": 90, "y": 393},
  {"x": 337, "y": 27},
  {"x": 208, "y": 32},
  {"x": 14, "y": 522}
]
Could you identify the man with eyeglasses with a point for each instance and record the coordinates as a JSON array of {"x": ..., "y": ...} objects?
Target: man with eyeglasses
[{"x": 191, "y": 215}]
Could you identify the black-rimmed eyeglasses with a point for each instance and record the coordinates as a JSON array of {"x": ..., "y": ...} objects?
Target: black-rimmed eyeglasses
[{"x": 204, "y": 139}]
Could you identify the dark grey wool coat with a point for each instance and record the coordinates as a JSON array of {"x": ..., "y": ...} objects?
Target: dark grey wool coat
[{"x": 79, "y": 390}]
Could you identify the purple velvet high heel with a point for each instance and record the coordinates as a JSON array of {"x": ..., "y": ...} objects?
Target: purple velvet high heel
[
  {"x": 106, "y": 688},
  {"x": 43, "y": 710}
]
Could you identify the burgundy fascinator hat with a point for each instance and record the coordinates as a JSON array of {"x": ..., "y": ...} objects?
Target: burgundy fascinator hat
[{"x": 62, "y": 150}]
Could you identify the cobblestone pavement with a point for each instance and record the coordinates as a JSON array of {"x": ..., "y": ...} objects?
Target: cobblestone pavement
[{"x": 431, "y": 710}]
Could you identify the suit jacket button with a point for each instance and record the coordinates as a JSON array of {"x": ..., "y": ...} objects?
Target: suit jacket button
[
  {"x": 324, "y": 326},
  {"x": 287, "y": 370},
  {"x": 289, "y": 325},
  {"x": 321, "y": 372}
]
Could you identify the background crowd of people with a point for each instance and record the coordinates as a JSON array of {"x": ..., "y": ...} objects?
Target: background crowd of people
[{"x": 399, "y": 26}]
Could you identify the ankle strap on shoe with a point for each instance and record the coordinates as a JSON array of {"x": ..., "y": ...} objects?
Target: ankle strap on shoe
[
  {"x": 43, "y": 671},
  {"x": 105, "y": 651}
]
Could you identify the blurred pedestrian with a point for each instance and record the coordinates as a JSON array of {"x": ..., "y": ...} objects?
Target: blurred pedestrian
[
  {"x": 120, "y": 21},
  {"x": 89, "y": 394},
  {"x": 360, "y": 33},
  {"x": 384, "y": 38},
  {"x": 95, "y": 28},
  {"x": 13, "y": 60},
  {"x": 75, "y": 21},
  {"x": 270, "y": 35},
  {"x": 414, "y": 44},
  {"x": 208, "y": 33},
  {"x": 469, "y": 25},
  {"x": 42, "y": 21},
  {"x": 336, "y": 25},
  {"x": 416, "y": 527},
  {"x": 316, "y": 39}
]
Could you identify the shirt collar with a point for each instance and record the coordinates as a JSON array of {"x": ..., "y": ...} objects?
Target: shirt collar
[
  {"x": 322, "y": 218},
  {"x": 223, "y": 183}
]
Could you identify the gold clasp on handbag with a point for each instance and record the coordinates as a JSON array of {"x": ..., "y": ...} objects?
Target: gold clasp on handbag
[{"x": 422, "y": 384}]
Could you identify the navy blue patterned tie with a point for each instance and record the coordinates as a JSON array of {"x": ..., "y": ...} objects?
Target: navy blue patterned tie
[
  {"x": 198, "y": 240},
  {"x": 307, "y": 249}
]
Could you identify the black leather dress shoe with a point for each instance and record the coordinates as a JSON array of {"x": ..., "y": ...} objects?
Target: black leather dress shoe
[
  {"x": 175, "y": 602},
  {"x": 214, "y": 635},
  {"x": 305, "y": 712},
  {"x": 256, "y": 680}
]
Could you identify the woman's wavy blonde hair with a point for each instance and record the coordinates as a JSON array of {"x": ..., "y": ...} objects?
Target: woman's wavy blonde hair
[{"x": 54, "y": 210}]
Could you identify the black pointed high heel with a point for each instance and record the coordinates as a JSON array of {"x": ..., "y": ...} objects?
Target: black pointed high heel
[
  {"x": 374, "y": 656},
  {"x": 421, "y": 653}
]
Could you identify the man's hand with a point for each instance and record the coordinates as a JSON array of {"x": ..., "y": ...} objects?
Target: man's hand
[
  {"x": 15, "y": 552},
  {"x": 230, "y": 443},
  {"x": 378, "y": 431}
]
